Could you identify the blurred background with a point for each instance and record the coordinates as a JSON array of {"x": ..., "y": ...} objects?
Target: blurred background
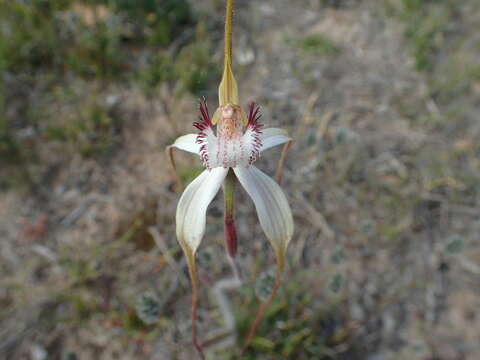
[{"x": 382, "y": 98}]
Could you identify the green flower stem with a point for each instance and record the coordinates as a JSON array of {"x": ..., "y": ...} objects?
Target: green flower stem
[
  {"x": 229, "y": 221},
  {"x": 228, "y": 33}
]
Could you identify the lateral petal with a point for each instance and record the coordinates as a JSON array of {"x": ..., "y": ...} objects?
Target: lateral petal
[
  {"x": 272, "y": 207},
  {"x": 187, "y": 143},
  {"x": 192, "y": 208},
  {"x": 271, "y": 137}
]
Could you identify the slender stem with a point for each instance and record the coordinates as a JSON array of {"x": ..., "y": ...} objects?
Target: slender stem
[
  {"x": 228, "y": 33},
  {"x": 171, "y": 158},
  {"x": 217, "y": 338},
  {"x": 263, "y": 308},
  {"x": 229, "y": 221},
  {"x": 192, "y": 269}
]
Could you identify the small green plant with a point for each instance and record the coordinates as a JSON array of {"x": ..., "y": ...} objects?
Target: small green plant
[
  {"x": 160, "y": 69},
  {"x": 454, "y": 245},
  {"x": 338, "y": 256},
  {"x": 296, "y": 326},
  {"x": 336, "y": 283},
  {"x": 426, "y": 24},
  {"x": 190, "y": 70},
  {"x": 316, "y": 44},
  {"x": 264, "y": 284},
  {"x": 148, "y": 307}
]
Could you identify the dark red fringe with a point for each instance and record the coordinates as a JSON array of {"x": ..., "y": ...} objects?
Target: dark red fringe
[
  {"x": 254, "y": 115},
  {"x": 204, "y": 117}
]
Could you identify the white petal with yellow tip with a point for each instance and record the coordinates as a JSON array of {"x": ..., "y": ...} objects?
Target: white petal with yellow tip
[{"x": 271, "y": 204}]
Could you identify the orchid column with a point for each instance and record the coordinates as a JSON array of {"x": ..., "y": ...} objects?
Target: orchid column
[{"x": 228, "y": 144}]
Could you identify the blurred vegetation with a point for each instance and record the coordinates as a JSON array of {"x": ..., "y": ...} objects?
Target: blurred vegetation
[
  {"x": 437, "y": 35},
  {"x": 71, "y": 52},
  {"x": 298, "y": 325},
  {"x": 426, "y": 26},
  {"x": 316, "y": 45},
  {"x": 88, "y": 38},
  {"x": 444, "y": 52}
]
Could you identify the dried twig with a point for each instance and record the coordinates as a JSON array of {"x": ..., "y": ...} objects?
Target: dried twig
[
  {"x": 279, "y": 172},
  {"x": 169, "y": 152}
]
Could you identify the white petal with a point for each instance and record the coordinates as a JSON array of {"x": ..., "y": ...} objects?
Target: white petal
[
  {"x": 192, "y": 207},
  {"x": 272, "y": 206},
  {"x": 272, "y": 137},
  {"x": 187, "y": 143}
]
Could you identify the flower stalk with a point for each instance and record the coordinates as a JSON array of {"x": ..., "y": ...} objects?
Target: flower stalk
[
  {"x": 229, "y": 221},
  {"x": 192, "y": 271},
  {"x": 264, "y": 306}
]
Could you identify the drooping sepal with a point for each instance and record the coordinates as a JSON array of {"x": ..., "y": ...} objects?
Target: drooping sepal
[
  {"x": 192, "y": 208},
  {"x": 272, "y": 207}
]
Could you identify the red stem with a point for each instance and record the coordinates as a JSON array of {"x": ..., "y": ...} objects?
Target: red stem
[
  {"x": 230, "y": 236},
  {"x": 263, "y": 309},
  {"x": 194, "y": 280}
]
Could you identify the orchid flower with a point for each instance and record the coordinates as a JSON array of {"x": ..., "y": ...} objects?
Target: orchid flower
[
  {"x": 228, "y": 144},
  {"x": 236, "y": 145}
]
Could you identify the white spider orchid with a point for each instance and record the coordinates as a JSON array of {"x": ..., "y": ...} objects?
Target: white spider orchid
[
  {"x": 229, "y": 144},
  {"x": 238, "y": 141}
]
